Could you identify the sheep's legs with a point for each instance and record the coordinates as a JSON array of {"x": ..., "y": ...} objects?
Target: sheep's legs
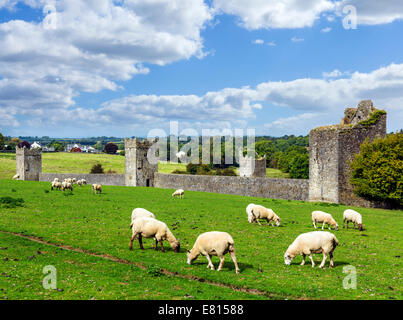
[
  {"x": 323, "y": 226},
  {"x": 313, "y": 263},
  {"x": 323, "y": 261},
  {"x": 131, "y": 242},
  {"x": 156, "y": 245},
  {"x": 331, "y": 259},
  {"x": 303, "y": 260},
  {"x": 141, "y": 242},
  {"x": 347, "y": 224},
  {"x": 258, "y": 221},
  {"x": 344, "y": 220},
  {"x": 162, "y": 247},
  {"x": 235, "y": 262},
  {"x": 314, "y": 224},
  {"x": 221, "y": 263},
  {"x": 210, "y": 263}
]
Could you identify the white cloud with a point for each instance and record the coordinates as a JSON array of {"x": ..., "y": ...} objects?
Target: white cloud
[
  {"x": 326, "y": 30},
  {"x": 335, "y": 74},
  {"x": 92, "y": 45},
  {"x": 295, "y": 39},
  {"x": 258, "y": 41},
  {"x": 272, "y": 44},
  {"x": 374, "y": 12},
  {"x": 266, "y": 14}
]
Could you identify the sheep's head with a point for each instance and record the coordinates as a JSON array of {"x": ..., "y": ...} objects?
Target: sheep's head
[
  {"x": 287, "y": 258},
  {"x": 278, "y": 221},
  {"x": 336, "y": 226},
  {"x": 190, "y": 257},
  {"x": 360, "y": 227},
  {"x": 176, "y": 246}
]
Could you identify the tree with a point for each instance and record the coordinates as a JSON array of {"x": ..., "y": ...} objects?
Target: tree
[
  {"x": 24, "y": 144},
  {"x": 111, "y": 148},
  {"x": 97, "y": 169},
  {"x": 98, "y": 145},
  {"x": 1, "y": 142},
  {"x": 300, "y": 167},
  {"x": 377, "y": 171}
]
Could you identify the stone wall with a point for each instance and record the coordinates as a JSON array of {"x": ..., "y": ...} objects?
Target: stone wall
[
  {"x": 289, "y": 189},
  {"x": 28, "y": 163},
  {"x": 103, "y": 179}
]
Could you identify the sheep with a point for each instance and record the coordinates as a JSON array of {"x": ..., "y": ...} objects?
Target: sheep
[
  {"x": 179, "y": 192},
  {"x": 213, "y": 243},
  {"x": 67, "y": 185},
  {"x": 16, "y": 177},
  {"x": 260, "y": 212},
  {"x": 140, "y": 213},
  {"x": 68, "y": 180},
  {"x": 81, "y": 182},
  {"x": 56, "y": 185},
  {"x": 324, "y": 218},
  {"x": 312, "y": 242},
  {"x": 97, "y": 188},
  {"x": 350, "y": 215},
  {"x": 152, "y": 228},
  {"x": 251, "y": 217},
  {"x": 56, "y": 180},
  {"x": 74, "y": 180}
]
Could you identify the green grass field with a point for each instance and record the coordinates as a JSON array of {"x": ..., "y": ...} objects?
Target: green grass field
[
  {"x": 63, "y": 162},
  {"x": 100, "y": 224}
]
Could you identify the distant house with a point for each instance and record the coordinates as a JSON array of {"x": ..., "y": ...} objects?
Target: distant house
[
  {"x": 36, "y": 145},
  {"x": 48, "y": 149}
]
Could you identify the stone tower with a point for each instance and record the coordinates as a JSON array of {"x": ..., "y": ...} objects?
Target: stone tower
[
  {"x": 29, "y": 163},
  {"x": 332, "y": 148},
  {"x": 250, "y": 167},
  {"x": 139, "y": 172}
]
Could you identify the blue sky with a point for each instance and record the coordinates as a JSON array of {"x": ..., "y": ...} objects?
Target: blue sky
[{"x": 86, "y": 68}]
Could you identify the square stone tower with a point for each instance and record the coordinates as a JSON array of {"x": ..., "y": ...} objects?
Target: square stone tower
[
  {"x": 250, "y": 167},
  {"x": 332, "y": 148},
  {"x": 139, "y": 172},
  {"x": 29, "y": 163}
]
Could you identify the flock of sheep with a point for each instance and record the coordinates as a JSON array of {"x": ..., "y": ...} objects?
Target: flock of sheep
[
  {"x": 145, "y": 225},
  {"x": 68, "y": 184}
]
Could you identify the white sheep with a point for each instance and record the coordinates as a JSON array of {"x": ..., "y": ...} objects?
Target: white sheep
[
  {"x": 152, "y": 228},
  {"x": 97, "y": 188},
  {"x": 81, "y": 182},
  {"x": 74, "y": 180},
  {"x": 251, "y": 217},
  {"x": 178, "y": 193},
  {"x": 67, "y": 185},
  {"x": 56, "y": 180},
  {"x": 312, "y": 242},
  {"x": 213, "y": 243},
  {"x": 141, "y": 213},
  {"x": 16, "y": 177},
  {"x": 324, "y": 218},
  {"x": 56, "y": 185},
  {"x": 350, "y": 215},
  {"x": 260, "y": 212},
  {"x": 68, "y": 180}
]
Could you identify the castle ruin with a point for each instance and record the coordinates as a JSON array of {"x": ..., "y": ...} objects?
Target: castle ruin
[
  {"x": 29, "y": 163},
  {"x": 252, "y": 167},
  {"x": 139, "y": 172},
  {"x": 332, "y": 148}
]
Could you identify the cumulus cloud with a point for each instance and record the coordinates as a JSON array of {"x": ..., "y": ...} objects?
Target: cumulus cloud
[
  {"x": 258, "y": 41},
  {"x": 295, "y": 39},
  {"x": 274, "y": 14},
  {"x": 86, "y": 46},
  {"x": 326, "y": 30}
]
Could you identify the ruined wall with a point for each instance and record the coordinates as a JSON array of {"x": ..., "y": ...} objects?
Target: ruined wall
[
  {"x": 138, "y": 170},
  {"x": 249, "y": 167},
  {"x": 289, "y": 189},
  {"x": 28, "y": 163},
  {"x": 332, "y": 148},
  {"x": 102, "y": 179}
]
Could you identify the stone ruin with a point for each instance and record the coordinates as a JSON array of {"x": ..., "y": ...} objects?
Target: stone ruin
[
  {"x": 332, "y": 148},
  {"x": 29, "y": 163},
  {"x": 252, "y": 167},
  {"x": 139, "y": 172}
]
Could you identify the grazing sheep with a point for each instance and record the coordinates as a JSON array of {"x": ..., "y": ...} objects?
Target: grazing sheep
[
  {"x": 97, "y": 188},
  {"x": 178, "y": 193},
  {"x": 324, "y": 218},
  {"x": 312, "y": 242},
  {"x": 56, "y": 185},
  {"x": 251, "y": 217},
  {"x": 81, "y": 182},
  {"x": 67, "y": 185},
  {"x": 350, "y": 215},
  {"x": 152, "y": 228},
  {"x": 16, "y": 177},
  {"x": 213, "y": 243},
  {"x": 141, "y": 213},
  {"x": 260, "y": 212},
  {"x": 74, "y": 180},
  {"x": 56, "y": 180},
  {"x": 68, "y": 180}
]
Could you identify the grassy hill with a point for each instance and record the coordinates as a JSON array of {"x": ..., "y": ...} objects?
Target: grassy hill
[{"x": 97, "y": 227}]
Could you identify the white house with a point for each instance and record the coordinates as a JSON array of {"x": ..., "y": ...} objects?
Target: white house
[{"x": 36, "y": 145}]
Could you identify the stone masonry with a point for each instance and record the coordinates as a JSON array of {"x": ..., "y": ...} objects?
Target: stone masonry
[
  {"x": 29, "y": 163},
  {"x": 332, "y": 148},
  {"x": 139, "y": 172},
  {"x": 252, "y": 167}
]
